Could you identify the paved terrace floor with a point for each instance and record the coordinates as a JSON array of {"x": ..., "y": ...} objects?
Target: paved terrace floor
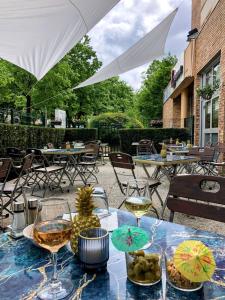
[{"x": 107, "y": 180}]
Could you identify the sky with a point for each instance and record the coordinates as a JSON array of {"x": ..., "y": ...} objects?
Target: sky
[{"x": 129, "y": 21}]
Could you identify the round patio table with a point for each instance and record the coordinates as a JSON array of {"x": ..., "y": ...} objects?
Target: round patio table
[
  {"x": 73, "y": 156},
  {"x": 167, "y": 166},
  {"x": 24, "y": 267}
]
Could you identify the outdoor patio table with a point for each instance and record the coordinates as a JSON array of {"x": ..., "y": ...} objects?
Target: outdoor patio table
[
  {"x": 167, "y": 166},
  {"x": 24, "y": 267},
  {"x": 73, "y": 155}
]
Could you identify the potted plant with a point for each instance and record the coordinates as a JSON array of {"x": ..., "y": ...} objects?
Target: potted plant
[{"x": 207, "y": 91}]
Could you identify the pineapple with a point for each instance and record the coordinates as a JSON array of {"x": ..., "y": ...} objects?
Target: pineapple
[{"x": 85, "y": 218}]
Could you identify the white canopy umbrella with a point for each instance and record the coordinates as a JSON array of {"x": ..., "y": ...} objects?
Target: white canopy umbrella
[
  {"x": 36, "y": 34},
  {"x": 150, "y": 47}
]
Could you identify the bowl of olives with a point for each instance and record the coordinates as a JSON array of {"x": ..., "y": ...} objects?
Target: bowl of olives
[
  {"x": 174, "y": 277},
  {"x": 144, "y": 266}
]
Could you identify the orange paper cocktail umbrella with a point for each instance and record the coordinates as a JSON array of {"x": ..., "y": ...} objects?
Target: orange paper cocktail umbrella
[{"x": 194, "y": 261}]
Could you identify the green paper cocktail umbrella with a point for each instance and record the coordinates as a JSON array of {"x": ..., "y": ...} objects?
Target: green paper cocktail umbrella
[{"x": 129, "y": 238}]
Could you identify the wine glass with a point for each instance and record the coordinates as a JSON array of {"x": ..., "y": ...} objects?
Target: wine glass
[
  {"x": 52, "y": 232},
  {"x": 138, "y": 200}
]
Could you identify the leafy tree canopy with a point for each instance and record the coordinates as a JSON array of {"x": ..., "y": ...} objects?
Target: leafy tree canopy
[
  {"x": 20, "y": 89},
  {"x": 150, "y": 97},
  {"x": 120, "y": 120}
]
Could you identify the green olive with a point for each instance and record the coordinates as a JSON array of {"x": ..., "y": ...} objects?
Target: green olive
[{"x": 137, "y": 269}]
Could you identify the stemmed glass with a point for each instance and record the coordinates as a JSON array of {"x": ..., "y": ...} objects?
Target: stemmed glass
[
  {"x": 52, "y": 232},
  {"x": 138, "y": 200}
]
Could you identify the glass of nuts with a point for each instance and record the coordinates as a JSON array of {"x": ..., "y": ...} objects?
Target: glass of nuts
[
  {"x": 144, "y": 266},
  {"x": 174, "y": 277}
]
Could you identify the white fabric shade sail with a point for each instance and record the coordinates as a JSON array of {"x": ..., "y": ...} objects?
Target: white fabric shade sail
[
  {"x": 148, "y": 48},
  {"x": 36, "y": 34}
]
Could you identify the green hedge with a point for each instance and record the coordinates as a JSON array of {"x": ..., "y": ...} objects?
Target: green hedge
[
  {"x": 118, "y": 119},
  {"x": 127, "y": 136},
  {"x": 80, "y": 134},
  {"x": 109, "y": 123},
  {"x": 23, "y": 137}
]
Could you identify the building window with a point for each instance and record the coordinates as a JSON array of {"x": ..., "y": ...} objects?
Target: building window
[
  {"x": 216, "y": 75},
  {"x": 210, "y": 108},
  {"x": 207, "y": 115},
  {"x": 215, "y": 108}
]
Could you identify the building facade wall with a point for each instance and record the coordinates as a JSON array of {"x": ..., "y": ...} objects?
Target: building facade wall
[
  {"x": 196, "y": 14},
  {"x": 206, "y": 8},
  {"x": 210, "y": 42},
  {"x": 177, "y": 112},
  {"x": 168, "y": 114},
  {"x": 203, "y": 53}
]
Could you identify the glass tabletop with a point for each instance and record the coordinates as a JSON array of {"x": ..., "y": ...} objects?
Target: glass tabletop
[
  {"x": 24, "y": 267},
  {"x": 169, "y": 158},
  {"x": 63, "y": 150}
]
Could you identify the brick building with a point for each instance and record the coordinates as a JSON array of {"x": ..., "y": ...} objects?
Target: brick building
[{"x": 201, "y": 64}]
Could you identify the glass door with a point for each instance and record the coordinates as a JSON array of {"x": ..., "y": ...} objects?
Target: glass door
[{"x": 210, "y": 108}]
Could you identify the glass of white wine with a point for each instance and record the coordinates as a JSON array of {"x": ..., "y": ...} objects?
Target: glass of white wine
[
  {"x": 138, "y": 200},
  {"x": 52, "y": 232}
]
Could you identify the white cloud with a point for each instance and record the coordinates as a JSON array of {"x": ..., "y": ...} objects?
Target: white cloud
[{"x": 130, "y": 20}]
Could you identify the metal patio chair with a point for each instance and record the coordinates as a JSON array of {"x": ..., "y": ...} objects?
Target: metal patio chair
[
  {"x": 15, "y": 153},
  {"x": 14, "y": 188},
  {"x": 88, "y": 163},
  {"x": 217, "y": 166},
  {"x": 37, "y": 162},
  {"x": 197, "y": 195},
  {"x": 47, "y": 176},
  {"x": 5, "y": 167},
  {"x": 207, "y": 156},
  {"x": 145, "y": 147},
  {"x": 124, "y": 169}
]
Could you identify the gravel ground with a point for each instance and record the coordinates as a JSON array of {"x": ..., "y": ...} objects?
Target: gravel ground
[{"x": 107, "y": 180}]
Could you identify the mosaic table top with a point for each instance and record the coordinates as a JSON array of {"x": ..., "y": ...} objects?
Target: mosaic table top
[
  {"x": 72, "y": 151},
  {"x": 156, "y": 159},
  {"x": 24, "y": 267}
]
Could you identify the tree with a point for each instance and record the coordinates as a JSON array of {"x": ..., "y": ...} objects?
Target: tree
[
  {"x": 21, "y": 90},
  {"x": 6, "y": 80},
  {"x": 84, "y": 63},
  {"x": 150, "y": 96},
  {"x": 55, "y": 89},
  {"x": 112, "y": 95},
  {"x": 20, "y": 84}
]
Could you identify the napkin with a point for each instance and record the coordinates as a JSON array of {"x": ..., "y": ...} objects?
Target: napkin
[{"x": 109, "y": 221}]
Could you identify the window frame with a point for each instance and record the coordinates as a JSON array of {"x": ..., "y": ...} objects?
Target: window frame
[{"x": 204, "y": 80}]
